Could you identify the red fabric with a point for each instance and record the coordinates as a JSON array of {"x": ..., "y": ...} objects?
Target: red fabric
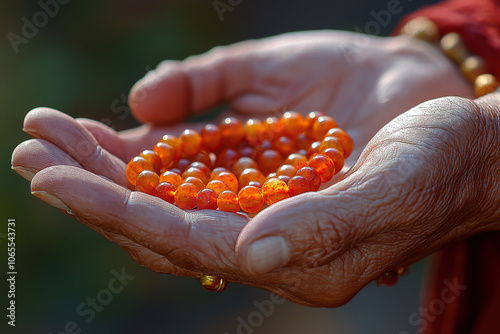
[
  {"x": 477, "y": 21},
  {"x": 470, "y": 269}
]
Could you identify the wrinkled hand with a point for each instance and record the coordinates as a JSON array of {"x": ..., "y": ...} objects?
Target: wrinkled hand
[{"x": 399, "y": 203}]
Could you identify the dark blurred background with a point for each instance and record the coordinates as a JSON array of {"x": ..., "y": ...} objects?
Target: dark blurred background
[{"x": 83, "y": 61}]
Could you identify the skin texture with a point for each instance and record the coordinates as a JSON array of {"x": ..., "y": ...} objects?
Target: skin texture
[{"x": 418, "y": 180}]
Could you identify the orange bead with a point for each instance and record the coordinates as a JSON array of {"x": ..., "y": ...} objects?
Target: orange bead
[
  {"x": 195, "y": 172},
  {"x": 321, "y": 127},
  {"x": 190, "y": 142},
  {"x": 311, "y": 118},
  {"x": 275, "y": 128},
  {"x": 172, "y": 178},
  {"x": 217, "y": 185},
  {"x": 251, "y": 174},
  {"x": 294, "y": 123},
  {"x": 336, "y": 156},
  {"x": 314, "y": 149},
  {"x": 147, "y": 181},
  {"x": 312, "y": 176},
  {"x": 255, "y": 184},
  {"x": 287, "y": 170},
  {"x": 304, "y": 141},
  {"x": 284, "y": 178},
  {"x": 216, "y": 171},
  {"x": 203, "y": 157},
  {"x": 201, "y": 166},
  {"x": 229, "y": 179},
  {"x": 174, "y": 142},
  {"x": 269, "y": 161},
  {"x": 324, "y": 166},
  {"x": 185, "y": 196},
  {"x": 196, "y": 181},
  {"x": 182, "y": 164},
  {"x": 253, "y": 131},
  {"x": 153, "y": 158},
  {"x": 247, "y": 151},
  {"x": 250, "y": 199},
  {"x": 165, "y": 152},
  {"x": 274, "y": 190},
  {"x": 344, "y": 138},
  {"x": 242, "y": 164},
  {"x": 211, "y": 138},
  {"x": 284, "y": 145},
  {"x": 166, "y": 192},
  {"x": 331, "y": 142},
  {"x": 296, "y": 160},
  {"x": 227, "y": 158},
  {"x": 207, "y": 199},
  {"x": 298, "y": 185},
  {"x": 135, "y": 167},
  {"x": 228, "y": 201},
  {"x": 232, "y": 132}
]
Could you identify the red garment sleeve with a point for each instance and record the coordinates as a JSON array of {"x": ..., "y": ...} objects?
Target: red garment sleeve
[{"x": 477, "y": 21}]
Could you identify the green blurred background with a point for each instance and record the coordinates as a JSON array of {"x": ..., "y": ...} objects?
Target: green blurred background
[{"x": 83, "y": 62}]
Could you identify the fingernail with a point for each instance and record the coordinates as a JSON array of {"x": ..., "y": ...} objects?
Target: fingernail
[
  {"x": 51, "y": 199},
  {"x": 30, "y": 132},
  {"x": 267, "y": 254},
  {"x": 24, "y": 172}
]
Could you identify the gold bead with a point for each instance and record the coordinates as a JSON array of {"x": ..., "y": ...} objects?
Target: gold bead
[
  {"x": 213, "y": 283},
  {"x": 472, "y": 67},
  {"x": 453, "y": 46},
  {"x": 421, "y": 28},
  {"x": 485, "y": 84},
  {"x": 403, "y": 270}
]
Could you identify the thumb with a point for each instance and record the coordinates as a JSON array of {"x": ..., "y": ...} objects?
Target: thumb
[
  {"x": 309, "y": 230},
  {"x": 176, "y": 89}
]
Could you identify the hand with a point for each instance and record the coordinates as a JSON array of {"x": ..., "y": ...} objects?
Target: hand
[{"x": 141, "y": 224}]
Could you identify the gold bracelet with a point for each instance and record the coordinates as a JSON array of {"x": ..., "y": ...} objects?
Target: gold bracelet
[{"x": 473, "y": 67}]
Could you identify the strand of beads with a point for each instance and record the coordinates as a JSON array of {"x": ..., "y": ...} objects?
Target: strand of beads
[{"x": 236, "y": 166}]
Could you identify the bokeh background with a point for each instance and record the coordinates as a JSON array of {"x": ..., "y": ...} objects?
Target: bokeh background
[{"x": 83, "y": 61}]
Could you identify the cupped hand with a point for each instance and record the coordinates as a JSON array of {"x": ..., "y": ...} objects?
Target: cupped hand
[{"x": 362, "y": 90}]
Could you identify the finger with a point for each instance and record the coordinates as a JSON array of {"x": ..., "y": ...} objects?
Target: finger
[
  {"x": 175, "y": 89},
  {"x": 66, "y": 133},
  {"x": 33, "y": 155},
  {"x": 198, "y": 241}
]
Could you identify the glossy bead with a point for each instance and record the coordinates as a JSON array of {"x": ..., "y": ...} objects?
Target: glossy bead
[
  {"x": 298, "y": 185},
  {"x": 227, "y": 158},
  {"x": 269, "y": 161},
  {"x": 389, "y": 278},
  {"x": 211, "y": 138},
  {"x": 232, "y": 132},
  {"x": 274, "y": 190},
  {"x": 296, "y": 160},
  {"x": 255, "y": 184},
  {"x": 314, "y": 149},
  {"x": 190, "y": 142},
  {"x": 185, "y": 196},
  {"x": 195, "y": 172},
  {"x": 485, "y": 84},
  {"x": 287, "y": 170},
  {"x": 172, "y": 178},
  {"x": 312, "y": 176},
  {"x": 201, "y": 166},
  {"x": 344, "y": 138},
  {"x": 207, "y": 199},
  {"x": 173, "y": 141},
  {"x": 331, "y": 142},
  {"x": 135, "y": 167},
  {"x": 153, "y": 158},
  {"x": 284, "y": 178},
  {"x": 324, "y": 166},
  {"x": 229, "y": 180},
  {"x": 166, "y": 192},
  {"x": 183, "y": 164},
  {"x": 165, "y": 152},
  {"x": 275, "y": 128},
  {"x": 294, "y": 123},
  {"x": 242, "y": 164},
  {"x": 217, "y": 185},
  {"x": 284, "y": 145},
  {"x": 228, "y": 201},
  {"x": 303, "y": 141},
  {"x": 147, "y": 181},
  {"x": 253, "y": 131},
  {"x": 453, "y": 46},
  {"x": 336, "y": 156},
  {"x": 204, "y": 158},
  {"x": 216, "y": 171},
  {"x": 213, "y": 283},
  {"x": 196, "y": 181},
  {"x": 250, "y": 174},
  {"x": 321, "y": 127},
  {"x": 472, "y": 67},
  {"x": 250, "y": 199},
  {"x": 421, "y": 28},
  {"x": 247, "y": 151},
  {"x": 311, "y": 118}
]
